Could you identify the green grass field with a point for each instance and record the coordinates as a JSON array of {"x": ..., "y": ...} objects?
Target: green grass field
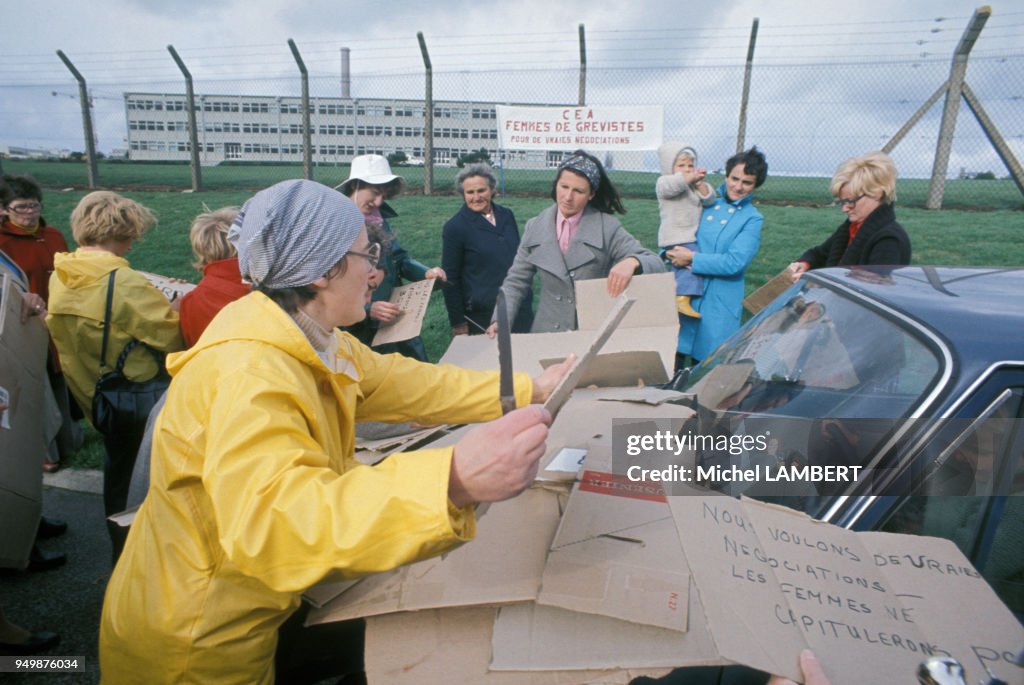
[{"x": 946, "y": 237}]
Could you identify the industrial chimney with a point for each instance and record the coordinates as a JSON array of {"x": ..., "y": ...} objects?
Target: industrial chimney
[{"x": 346, "y": 75}]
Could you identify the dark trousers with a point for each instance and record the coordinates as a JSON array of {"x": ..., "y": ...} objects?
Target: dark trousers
[
  {"x": 121, "y": 449},
  {"x": 307, "y": 655}
]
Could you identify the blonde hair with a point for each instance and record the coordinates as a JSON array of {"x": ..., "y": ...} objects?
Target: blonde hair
[
  {"x": 209, "y": 236},
  {"x": 102, "y": 216},
  {"x": 873, "y": 174}
]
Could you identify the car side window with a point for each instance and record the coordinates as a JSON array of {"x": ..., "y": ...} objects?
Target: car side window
[{"x": 975, "y": 496}]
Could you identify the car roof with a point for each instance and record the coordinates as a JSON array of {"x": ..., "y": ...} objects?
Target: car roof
[{"x": 978, "y": 311}]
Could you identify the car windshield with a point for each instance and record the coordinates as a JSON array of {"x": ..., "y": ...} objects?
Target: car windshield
[{"x": 829, "y": 374}]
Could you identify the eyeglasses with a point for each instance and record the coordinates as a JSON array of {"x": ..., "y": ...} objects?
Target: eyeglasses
[
  {"x": 372, "y": 254},
  {"x": 24, "y": 207},
  {"x": 840, "y": 202}
]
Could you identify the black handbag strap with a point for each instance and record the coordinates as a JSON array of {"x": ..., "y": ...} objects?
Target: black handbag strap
[{"x": 106, "y": 318}]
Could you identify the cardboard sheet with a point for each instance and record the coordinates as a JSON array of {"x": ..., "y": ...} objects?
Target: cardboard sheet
[
  {"x": 616, "y": 554},
  {"x": 503, "y": 564},
  {"x": 23, "y": 440},
  {"x": 535, "y": 637},
  {"x": 773, "y": 581},
  {"x": 446, "y": 646},
  {"x": 412, "y": 299}
]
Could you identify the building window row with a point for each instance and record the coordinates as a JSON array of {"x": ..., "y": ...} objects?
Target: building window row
[
  {"x": 451, "y": 133},
  {"x": 220, "y": 106},
  {"x": 256, "y": 107},
  {"x": 335, "y": 109},
  {"x": 335, "y": 150},
  {"x": 336, "y": 130},
  {"x": 451, "y": 112},
  {"x": 146, "y": 105},
  {"x": 222, "y": 127},
  {"x": 409, "y": 131},
  {"x": 134, "y": 125},
  {"x": 249, "y": 127},
  {"x": 373, "y": 130},
  {"x": 259, "y": 148},
  {"x": 484, "y": 113},
  {"x": 485, "y": 133}
]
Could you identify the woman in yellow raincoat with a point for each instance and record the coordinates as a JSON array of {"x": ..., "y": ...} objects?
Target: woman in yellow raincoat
[{"x": 254, "y": 493}]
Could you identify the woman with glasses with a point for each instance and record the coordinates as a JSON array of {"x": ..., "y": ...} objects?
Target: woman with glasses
[
  {"x": 31, "y": 243},
  {"x": 255, "y": 494},
  {"x": 865, "y": 189}
]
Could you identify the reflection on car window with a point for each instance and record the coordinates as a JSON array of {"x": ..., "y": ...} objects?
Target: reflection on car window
[{"x": 826, "y": 356}]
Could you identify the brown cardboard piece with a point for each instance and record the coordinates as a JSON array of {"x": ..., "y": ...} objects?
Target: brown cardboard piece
[
  {"x": 616, "y": 554},
  {"x": 650, "y": 325},
  {"x": 454, "y": 646},
  {"x": 23, "y": 350},
  {"x": 482, "y": 572},
  {"x": 762, "y": 297},
  {"x": 773, "y": 581},
  {"x": 532, "y": 637}
]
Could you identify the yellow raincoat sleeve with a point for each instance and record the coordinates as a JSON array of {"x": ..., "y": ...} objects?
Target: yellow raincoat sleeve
[
  {"x": 144, "y": 312},
  {"x": 285, "y": 517},
  {"x": 430, "y": 394}
]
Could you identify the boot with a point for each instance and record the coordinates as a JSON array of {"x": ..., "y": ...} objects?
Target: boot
[{"x": 684, "y": 308}]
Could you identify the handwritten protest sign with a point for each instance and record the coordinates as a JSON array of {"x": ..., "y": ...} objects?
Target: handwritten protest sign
[
  {"x": 412, "y": 299},
  {"x": 871, "y": 605}
]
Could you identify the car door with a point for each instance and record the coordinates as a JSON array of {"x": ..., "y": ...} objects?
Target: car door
[{"x": 974, "y": 491}]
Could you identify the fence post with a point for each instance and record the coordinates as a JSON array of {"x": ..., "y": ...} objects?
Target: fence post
[
  {"x": 994, "y": 137},
  {"x": 741, "y": 136},
  {"x": 583, "y": 66},
  {"x": 428, "y": 118},
  {"x": 307, "y": 140},
  {"x": 953, "y": 93},
  {"x": 193, "y": 130},
  {"x": 83, "y": 96}
]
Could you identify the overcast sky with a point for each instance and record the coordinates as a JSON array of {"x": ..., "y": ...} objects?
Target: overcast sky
[{"x": 239, "y": 45}]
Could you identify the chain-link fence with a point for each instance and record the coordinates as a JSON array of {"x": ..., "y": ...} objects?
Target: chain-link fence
[{"x": 807, "y": 118}]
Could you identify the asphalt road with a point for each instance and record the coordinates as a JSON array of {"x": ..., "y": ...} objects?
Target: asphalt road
[{"x": 65, "y": 600}]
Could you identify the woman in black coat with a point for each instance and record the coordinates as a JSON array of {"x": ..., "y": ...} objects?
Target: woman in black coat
[
  {"x": 865, "y": 188},
  {"x": 479, "y": 245}
]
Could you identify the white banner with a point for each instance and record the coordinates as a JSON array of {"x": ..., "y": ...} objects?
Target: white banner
[{"x": 568, "y": 128}]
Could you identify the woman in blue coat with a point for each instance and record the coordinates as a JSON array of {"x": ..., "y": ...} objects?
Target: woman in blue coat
[
  {"x": 727, "y": 241},
  {"x": 479, "y": 245}
]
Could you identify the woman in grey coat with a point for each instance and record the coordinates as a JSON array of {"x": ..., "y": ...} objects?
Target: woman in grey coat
[{"x": 576, "y": 239}]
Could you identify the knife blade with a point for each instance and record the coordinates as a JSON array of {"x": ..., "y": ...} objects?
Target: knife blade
[{"x": 506, "y": 386}]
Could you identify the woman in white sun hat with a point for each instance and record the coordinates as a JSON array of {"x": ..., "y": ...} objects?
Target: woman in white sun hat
[{"x": 370, "y": 185}]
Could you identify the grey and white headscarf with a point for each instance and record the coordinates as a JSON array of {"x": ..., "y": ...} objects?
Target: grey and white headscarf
[
  {"x": 293, "y": 232},
  {"x": 584, "y": 166}
]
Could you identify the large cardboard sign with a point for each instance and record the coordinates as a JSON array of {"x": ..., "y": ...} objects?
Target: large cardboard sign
[
  {"x": 23, "y": 438},
  {"x": 568, "y": 128},
  {"x": 872, "y": 606}
]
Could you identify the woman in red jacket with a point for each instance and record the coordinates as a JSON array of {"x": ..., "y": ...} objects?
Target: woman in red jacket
[{"x": 222, "y": 282}]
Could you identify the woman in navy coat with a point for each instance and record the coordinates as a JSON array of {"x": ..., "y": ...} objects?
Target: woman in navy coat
[{"x": 479, "y": 245}]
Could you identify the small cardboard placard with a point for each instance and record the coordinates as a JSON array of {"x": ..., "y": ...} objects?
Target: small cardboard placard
[
  {"x": 762, "y": 297},
  {"x": 172, "y": 288},
  {"x": 412, "y": 299}
]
